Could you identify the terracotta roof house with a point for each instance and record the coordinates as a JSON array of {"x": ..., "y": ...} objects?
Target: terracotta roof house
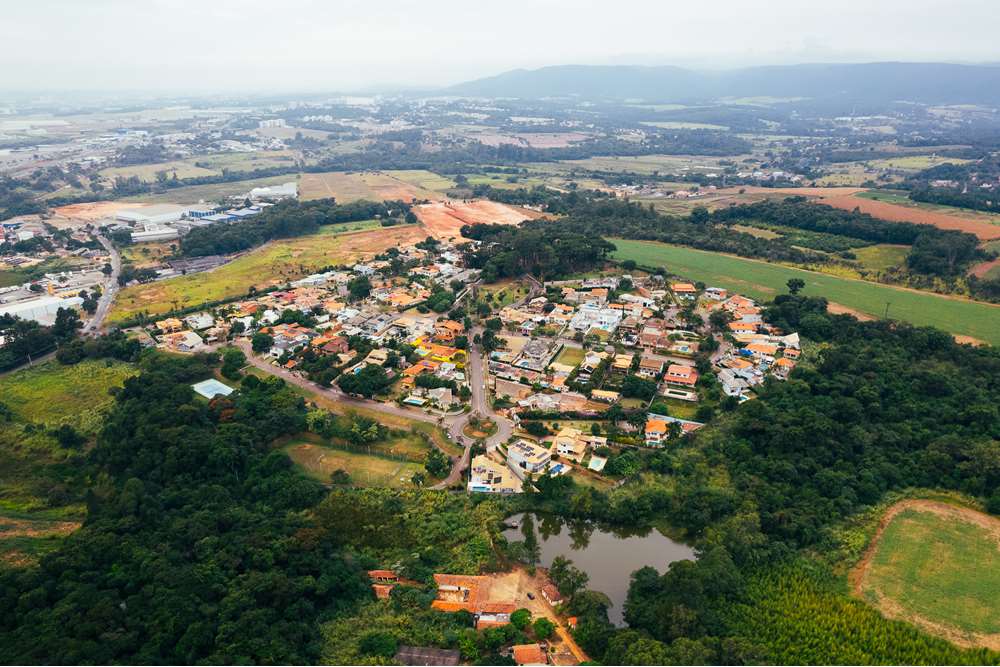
[{"x": 530, "y": 654}]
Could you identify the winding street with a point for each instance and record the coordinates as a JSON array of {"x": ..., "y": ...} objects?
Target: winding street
[{"x": 453, "y": 425}]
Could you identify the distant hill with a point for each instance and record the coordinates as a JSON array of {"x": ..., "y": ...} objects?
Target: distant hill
[{"x": 931, "y": 83}]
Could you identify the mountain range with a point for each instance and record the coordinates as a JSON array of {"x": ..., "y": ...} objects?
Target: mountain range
[{"x": 929, "y": 83}]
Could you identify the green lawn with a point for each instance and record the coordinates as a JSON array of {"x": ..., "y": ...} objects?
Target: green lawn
[
  {"x": 763, "y": 281},
  {"x": 571, "y": 356},
  {"x": 320, "y": 462},
  {"x": 941, "y": 569}
]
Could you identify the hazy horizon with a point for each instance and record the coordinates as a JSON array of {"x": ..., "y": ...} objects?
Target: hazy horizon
[{"x": 182, "y": 46}]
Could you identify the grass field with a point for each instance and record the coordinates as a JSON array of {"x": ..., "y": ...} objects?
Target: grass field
[
  {"x": 203, "y": 165},
  {"x": 882, "y": 256},
  {"x": 647, "y": 164},
  {"x": 683, "y": 125},
  {"x": 937, "y": 565},
  {"x": 276, "y": 263},
  {"x": 320, "y": 462},
  {"x": 761, "y": 280},
  {"x": 42, "y": 484},
  {"x": 194, "y": 194},
  {"x": 19, "y": 276}
]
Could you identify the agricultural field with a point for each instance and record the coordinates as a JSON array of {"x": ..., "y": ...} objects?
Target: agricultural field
[
  {"x": 373, "y": 185},
  {"x": 984, "y": 229},
  {"x": 274, "y": 263},
  {"x": 40, "y": 482},
  {"x": 196, "y": 194},
  {"x": 320, "y": 462},
  {"x": 645, "y": 164},
  {"x": 763, "y": 281},
  {"x": 148, "y": 172},
  {"x": 937, "y": 566}
]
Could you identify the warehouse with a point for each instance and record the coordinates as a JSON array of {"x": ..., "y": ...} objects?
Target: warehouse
[
  {"x": 157, "y": 214},
  {"x": 42, "y": 310}
]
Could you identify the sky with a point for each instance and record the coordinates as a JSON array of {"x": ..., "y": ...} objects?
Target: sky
[{"x": 201, "y": 46}]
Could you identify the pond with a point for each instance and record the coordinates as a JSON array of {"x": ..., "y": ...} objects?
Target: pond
[{"x": 609, "y": 556}]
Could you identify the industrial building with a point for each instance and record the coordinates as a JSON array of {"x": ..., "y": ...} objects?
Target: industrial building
[
  {"x": 42, "y": 310},
  {"x": 157, "y": 214}
]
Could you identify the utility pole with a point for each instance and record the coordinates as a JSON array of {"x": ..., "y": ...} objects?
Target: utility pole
[{"x": 887, "y": 304}]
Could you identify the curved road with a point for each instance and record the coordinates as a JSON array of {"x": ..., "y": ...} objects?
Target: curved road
[{"x": 453, "y": 425}]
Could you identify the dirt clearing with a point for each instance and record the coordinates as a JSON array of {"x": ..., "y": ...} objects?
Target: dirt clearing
[{"x": 444, "y": 220}]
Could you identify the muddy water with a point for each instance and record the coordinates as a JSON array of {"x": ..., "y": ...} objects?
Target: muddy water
[{"x": 609, "y": 557}]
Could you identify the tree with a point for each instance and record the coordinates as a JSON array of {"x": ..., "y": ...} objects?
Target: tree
[
  {"x": 340, "y": 477},
  {"x": 380, "y": 644},
  {"x": 795, "y": 285},
  {"x": 233, "y": 360},
  {"x": 436, "y": 464},
  {"x": 261, "y": 342},
  {"x": 543, "y": 628},
  {"x": 66, "y": 324},
  {"x": 520, "y": 619},
  {"x": 359, "y": 288},
  {"x": 569, "y": 579},
  {"x": 68, "y": 438}
]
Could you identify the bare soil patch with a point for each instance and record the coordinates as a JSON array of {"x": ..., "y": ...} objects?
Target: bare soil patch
[
  {"x": 858, "y": 576},
  {"x": 444, "y": 220},
  {"x": 839, "y": 309},
  {"x": 980, "y": 270},
  {"x": 92, "y": 211}
]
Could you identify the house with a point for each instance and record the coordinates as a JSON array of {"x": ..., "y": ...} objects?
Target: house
[
  {"x": 488, "y": 476},
  {"x": 732, "y": 385},
  {"x": 649, "y": 368},
  {"x": 716, "y": 293},
  {"x": 442, "y": 396},
  {"x": 656, "y": 432},
  {"x": 791, "y": 353},
  {"x": 447, "y": 330},
  {"x": 605, "y": 396},
  {"x": 685, "y": 376},
  {"x": 742, "y": 327},
  {"x": 783, "y": 366},
  {"x": 421, "y": 655},
  {"x": 182, "y": 341},
  {"x": 383, "y": 581},
  {"x": 509, "y": 389},
  {"x": 762, "y": 350},
  {"x": 492, "y": 614},
  {"x": 622, "y": 363},
  {"x": 569, "y": 443},
  {"x": 684, "y": 290},
  {"x": 525, "y": 457},
  {"x": 552, "y": 594},
  {"x": 200, "y": 321},
  {"x": 529, "y": 654},
  {"x": 170, "y": 325}
]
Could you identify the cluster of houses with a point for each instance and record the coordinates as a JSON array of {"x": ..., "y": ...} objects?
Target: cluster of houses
[
  {"x": 571, "y": 351},
  {"x": 384, "y": 319},
  {"x": 476, "y": 595}
]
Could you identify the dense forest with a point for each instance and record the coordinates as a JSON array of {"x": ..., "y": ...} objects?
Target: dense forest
[
  {"x": 195, "y": 548},
  {"x": 287, "y": 219}
]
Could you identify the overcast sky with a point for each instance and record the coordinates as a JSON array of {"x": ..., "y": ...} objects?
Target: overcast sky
[{"x": 331, "y": 45}]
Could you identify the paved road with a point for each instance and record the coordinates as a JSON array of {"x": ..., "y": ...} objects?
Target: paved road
[{"x": 93, "y": 327}]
